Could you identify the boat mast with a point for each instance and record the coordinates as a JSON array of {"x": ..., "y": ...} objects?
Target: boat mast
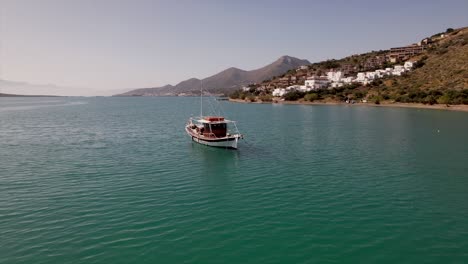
[{"x": 201, "y": 98}]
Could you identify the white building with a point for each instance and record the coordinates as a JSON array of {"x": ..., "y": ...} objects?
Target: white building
[
  {"x": 381, "y": 73},
  {"x": 304, "y": 88},
  {"x": 398, "y": 70},
  {"x": 279, "y": 92},
  {"x": 408, "y": 65},
  {"x": 366, "y": 77},
  {"x": 348, "y": 80},
  {"x": 335, "y": 76},
  {"x": 371, "y": 75},
  {"x": 336, "y": 84},
  {"x": 361, "y": 77},
  {"x": 293, "y": 88},
  {"x": 315, "y": 82},
  {"x": 301, "y": 88},
  {"x": 245, "y": 89}
]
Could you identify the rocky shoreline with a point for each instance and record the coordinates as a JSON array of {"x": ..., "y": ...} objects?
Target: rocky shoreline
[{"x": 463, "y": 108}]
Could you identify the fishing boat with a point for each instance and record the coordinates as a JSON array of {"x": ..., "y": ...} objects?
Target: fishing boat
[{"x": 214, "y": 131}]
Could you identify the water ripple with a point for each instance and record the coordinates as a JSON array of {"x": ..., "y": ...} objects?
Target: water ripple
[{"x": 116, "y": 180}]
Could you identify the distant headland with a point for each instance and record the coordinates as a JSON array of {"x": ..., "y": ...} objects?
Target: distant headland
[{"x": 19, "y": 95}]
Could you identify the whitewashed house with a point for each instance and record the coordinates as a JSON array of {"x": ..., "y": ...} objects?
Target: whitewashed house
[
  {"x": 316, "y": 82},
  {"x": 279, "y": 92},
  {"x": 304, "y": 88},
  {"x": 293, "y": 88},
  {"x": 361, "y": 77},
  {"x": 365, "y": 77},
  {"x": 398, "y": 70},
  {"x": 348, "y": 80},
  {"x": 336, "y": 84},
  {"x": 335, "y": 76},
  {"x": 408, "y": 65},
  {"x": 371, "y": 75},
  {"x": 381, "y": 73}
]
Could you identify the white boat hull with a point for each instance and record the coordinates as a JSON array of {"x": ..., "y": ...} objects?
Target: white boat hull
[
  {"x": 225, "y": 142},
  {"x": 220, "y": 144}
]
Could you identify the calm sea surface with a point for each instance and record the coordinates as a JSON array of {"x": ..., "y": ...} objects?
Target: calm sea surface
[{"x": 116, "y": 180}]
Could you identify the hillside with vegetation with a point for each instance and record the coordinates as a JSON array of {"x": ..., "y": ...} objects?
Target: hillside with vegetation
[{"x": 439, "y": 76}]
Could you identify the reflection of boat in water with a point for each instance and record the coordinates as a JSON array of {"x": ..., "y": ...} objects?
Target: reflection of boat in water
[{"x": 212, "y": 131}]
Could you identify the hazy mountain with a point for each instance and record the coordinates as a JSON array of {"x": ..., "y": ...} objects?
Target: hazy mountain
[
  {"x": 226, "y": 80},
  {"x": 24, "y": 88},
  {"x": 16, "y": 95}
]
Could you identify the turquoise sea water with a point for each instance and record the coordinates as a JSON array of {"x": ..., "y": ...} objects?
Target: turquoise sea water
[{"x": 116, "y": 180}]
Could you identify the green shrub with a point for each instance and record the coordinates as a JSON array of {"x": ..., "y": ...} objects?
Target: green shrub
[
  {"x": 358, "y": 95},
  {"x": 403, "y": 99},
  {"x": 419, "y": 64},
  {"x": 430, "y": 99},
  {"x": 311, "y": 97},
  {"x": 293, "y": 96},
  {"x": 444, "y": 99},
  {"x": 235, "y": 94},
  {"x": 266, "y": 98},
  {"x": 251, "y": 98}
]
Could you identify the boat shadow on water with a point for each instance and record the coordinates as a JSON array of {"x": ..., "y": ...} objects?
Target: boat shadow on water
[
  {"x": 216, "y": 155},
  {"x": 228, "y": 156}
]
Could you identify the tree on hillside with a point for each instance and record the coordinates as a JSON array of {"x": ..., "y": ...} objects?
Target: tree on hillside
[
  {"x": 293, "y": 96},
  {"x": 311, "y": 97},
  {"x": 331, "y": 64}
]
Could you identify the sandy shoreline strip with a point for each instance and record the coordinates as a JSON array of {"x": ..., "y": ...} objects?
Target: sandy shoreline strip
[{"x": 463, "y": 108}]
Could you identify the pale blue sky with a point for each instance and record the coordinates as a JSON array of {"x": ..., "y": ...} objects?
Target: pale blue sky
[{"x": 113, "y": 44}]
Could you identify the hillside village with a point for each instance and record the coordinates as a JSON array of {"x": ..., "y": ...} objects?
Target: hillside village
[
  {"x": 357, "y": 72},
  {"x": 361, "y": 68},
  {"x": 335, "y": 79}
]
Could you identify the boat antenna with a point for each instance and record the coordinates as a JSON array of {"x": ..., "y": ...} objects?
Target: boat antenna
[{"x": 201, "y": 98}]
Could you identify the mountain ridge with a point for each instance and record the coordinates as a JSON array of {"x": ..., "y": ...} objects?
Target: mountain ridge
[{"x": 223, "y": 81}]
